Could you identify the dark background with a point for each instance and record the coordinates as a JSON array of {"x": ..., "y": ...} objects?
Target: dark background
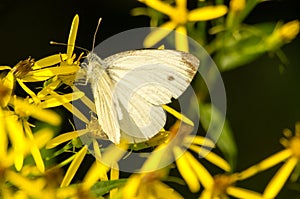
[{"x": 262, "y": 101}]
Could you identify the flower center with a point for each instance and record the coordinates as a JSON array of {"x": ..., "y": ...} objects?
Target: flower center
[
  {"x": 221, "y": 183},
  {"x": 23, "y": 67},
  {"x": 180, "y": 16},
  {"x": 295, "y": 146}
]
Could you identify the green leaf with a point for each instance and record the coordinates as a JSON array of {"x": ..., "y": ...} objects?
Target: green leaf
[
  {"x": 103, "y": 187},
  {"x": 225, "y": 141},
  {"x": 235, "y": 50}
]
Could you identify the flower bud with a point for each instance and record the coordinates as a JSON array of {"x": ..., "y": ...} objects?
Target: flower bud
[
  {"x": 237, "y": 5},
  {"x": 289, "y": 30}
]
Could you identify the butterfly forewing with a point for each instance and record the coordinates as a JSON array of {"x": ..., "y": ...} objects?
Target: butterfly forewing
[
  {"x": 142, "y": 81},
  {"x": 106, "y": 104},
  {"x": 177, "y": 68}
]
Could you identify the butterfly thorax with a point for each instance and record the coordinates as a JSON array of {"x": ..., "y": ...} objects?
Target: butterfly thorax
[{"x": 94, "y": 68}]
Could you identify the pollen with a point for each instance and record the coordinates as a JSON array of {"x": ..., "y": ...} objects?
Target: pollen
[{"x": 23, "y": 67}]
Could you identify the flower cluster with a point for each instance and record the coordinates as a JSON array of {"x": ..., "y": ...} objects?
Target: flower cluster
[{"x": 30, "y": 154}]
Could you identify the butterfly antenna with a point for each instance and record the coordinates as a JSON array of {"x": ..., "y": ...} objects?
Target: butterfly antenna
[
  {"x": 64, "y": 44},
  {"x": 94, "y": 39}
]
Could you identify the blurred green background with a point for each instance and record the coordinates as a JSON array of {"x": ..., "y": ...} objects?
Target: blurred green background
[{"x": 262, "y": 98}]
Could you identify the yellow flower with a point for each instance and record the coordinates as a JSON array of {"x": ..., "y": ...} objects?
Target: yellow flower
[
  {"x": 179, "y": 17},
  {"x": 98, "y": 171},
  {"x": 70, "y": 61},
  {"x": 291, "y": 156},
  {"x": 16, "y": 127},
  {"x": 147, "y": 186},
  {"x": 6, "y": 87},
  {"x": 111, "y": 155},
  {"x": 30, "y": 71},
  {"x": 24, "y": 181},
  {"x": 188, "y": 166},
  {"x": 223, "y": 186},
  {"x": 62, "y": 66},
  {"x": 293, "y": 147}
]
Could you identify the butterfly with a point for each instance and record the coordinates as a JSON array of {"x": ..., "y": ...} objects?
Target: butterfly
[{"x": 129, "y": 88}]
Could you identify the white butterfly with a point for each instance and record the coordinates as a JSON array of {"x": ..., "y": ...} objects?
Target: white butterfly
[{"x": 130, "y": 87}]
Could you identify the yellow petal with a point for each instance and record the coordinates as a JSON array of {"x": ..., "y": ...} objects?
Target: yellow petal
[
  {"x": 89, "y": 103},
  {"x": 178, "y": 115},
  {"x": 203, "y": 175},
  {"x": 16, "y": 136},
  {"x": 74, "y": 167},
  {"x": 49, "y": 61},
  {"x": 67, "y": 192},
  {"x": 34, "y": 149},
  {"x": 114, "y": 175},
  {"x": 7, "y": 84},
  {"x": 206, "y": 194},
  {"x": 211, "y": 157},
  {"x": 185, "y": 169},
  {"x": 32, "y": 188},
  {"x": 52, "y": 71},
  {"x": 181, "y": 3},
  {"x": 96, "y": 171},
  {"x": 36, "y": 112},
  {"x": 3, "y": 136},
  {"x": 166, "y": 192},
  {"x": 42, "y": 136},
  {"x": 72, "y": 36},
  {"x": 159, "y": 6},
  {"x": 265, "y": 164},
  {"x": 207, "y": 13},
  {"x": 76, "y": 112},
  {"x": 181, "y": 40},
  {"x": 131, "y": 187},
  {"x": 31, "y": 78},
  {"x": 5, "y": 68},
  {"x": 37, "y": 158},
  {"x": 29, "y": 92},
  {"x": 277, "y": 182},
  {"x": 56, "y": 100},
  {"x": 199, "y": 140},
  {"x": 243, "y": 193},
  {"x": 114, "y": 153},
  {"x": 64, "y": 138},
  {"x": 158, "y": 158},
  {"x": 158, "y": 34},
  {"x": 96, "y": 147}
]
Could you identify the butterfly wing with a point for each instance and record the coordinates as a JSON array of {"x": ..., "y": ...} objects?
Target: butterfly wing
[
  {"x": 106, "y": 105},
  {"x": 145, "y": 79}
]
